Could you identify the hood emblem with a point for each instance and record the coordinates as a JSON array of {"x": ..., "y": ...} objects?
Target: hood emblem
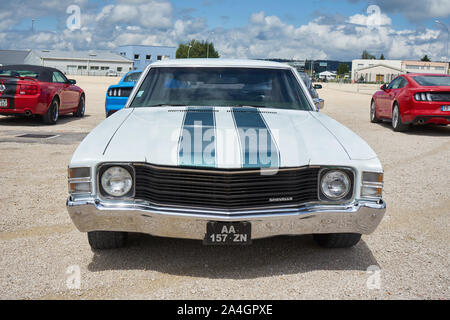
[{"x": 282, "y": 199}]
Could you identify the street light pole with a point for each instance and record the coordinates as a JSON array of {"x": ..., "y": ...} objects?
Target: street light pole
[
  {"x": 190, "y": 46},
  {"x": 448, "y": 36}
]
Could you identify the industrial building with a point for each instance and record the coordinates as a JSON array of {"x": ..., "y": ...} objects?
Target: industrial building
[
  {"x": 384, "y": 71},
  {"x": 9, "y": 57},
  {"x": 93, "y": 63},
  {"x": 142, "y": 55}
]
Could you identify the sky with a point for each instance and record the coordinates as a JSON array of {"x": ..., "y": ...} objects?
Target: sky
[{"x": 289, "y": 29}]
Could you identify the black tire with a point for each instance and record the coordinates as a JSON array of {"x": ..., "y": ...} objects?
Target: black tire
[
  {"x": 373, "y": 113},
  {"x": 337, "y": 240},
  {"x": 102, "y": 240},
  {"x": 397, "y": 123},
  {"x": 52, "y": 114},
  {"x": 81, "y": 108}
]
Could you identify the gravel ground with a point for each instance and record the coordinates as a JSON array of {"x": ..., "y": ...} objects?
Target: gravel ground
[{"x": 40, "y": 248}]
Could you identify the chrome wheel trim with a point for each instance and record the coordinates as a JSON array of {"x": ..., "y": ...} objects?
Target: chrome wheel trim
[
  {"x": 56, "y": 112},
  {"x": 82, "y": 106},
  {"x": 395, "y": 117}
]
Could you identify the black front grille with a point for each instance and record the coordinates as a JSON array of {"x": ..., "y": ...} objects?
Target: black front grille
[
  {"x": 236, "y": 189},
  {"x": 440, "y": 96}
]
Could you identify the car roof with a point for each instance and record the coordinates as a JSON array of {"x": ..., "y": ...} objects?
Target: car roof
[
  {"x": 214, "y": 62},
  {"x": 44, "y": 73},
  {"x": 426, "y": 74},
  {"x": 28, "y": 67}
]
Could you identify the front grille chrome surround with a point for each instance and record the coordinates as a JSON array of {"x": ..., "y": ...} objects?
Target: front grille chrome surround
[{"x": 232, "y": 190}]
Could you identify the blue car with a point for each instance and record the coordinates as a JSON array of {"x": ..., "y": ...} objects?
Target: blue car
[{"x": 117, "y": 94}]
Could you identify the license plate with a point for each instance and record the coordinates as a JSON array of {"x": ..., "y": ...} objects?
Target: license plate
[
  {"x": 445, "y": 108},
  {"x": 228, "y": 233},
  {"x": 3, "y": 103}
]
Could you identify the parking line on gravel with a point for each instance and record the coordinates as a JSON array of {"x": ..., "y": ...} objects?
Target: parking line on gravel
[{"x": 37, "y": 231}]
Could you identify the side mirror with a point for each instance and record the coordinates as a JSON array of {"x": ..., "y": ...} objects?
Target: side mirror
[
  {"x": 320, "y": 103},
  {"x": 317, "y": 86},
  {"x": 383, "y": 87},
  {"x": 71, "y": 81}
]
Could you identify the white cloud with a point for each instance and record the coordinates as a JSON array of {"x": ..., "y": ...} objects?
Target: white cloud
[
  {"x": 414, "y": 11},
  {"x": 265, "y": 36},
  {"x": 374, "y": 20}
]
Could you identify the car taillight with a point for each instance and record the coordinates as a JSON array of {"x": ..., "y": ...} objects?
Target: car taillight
[
  {"x": 29, "y": 89},
  {"x": 116, "y": 92},
  {"x": 423, "y": 96}
]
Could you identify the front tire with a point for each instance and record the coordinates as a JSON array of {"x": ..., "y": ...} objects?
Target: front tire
[
  {"x": 52, "y": 114},
  {"x": 397, "y": 123},
  {"x": 81, "y": 108},
  {"x": 103, "y": 240},
  {"x": 373, "y": 113},
  {"x": 337, "y": 240}
]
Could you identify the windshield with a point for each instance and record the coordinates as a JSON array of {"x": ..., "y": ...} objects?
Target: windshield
[
  {"x": 132, "y": 77},
  {"x": 429, "y": 81},
  {"x": 215, "y": 86}
]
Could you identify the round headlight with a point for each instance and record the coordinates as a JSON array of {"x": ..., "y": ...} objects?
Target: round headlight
[
  {"x": 335, "y": 185},
  {"x": 116, "y": 181}
]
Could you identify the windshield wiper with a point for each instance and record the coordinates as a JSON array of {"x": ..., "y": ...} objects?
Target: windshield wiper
[{"x": 249, "y": 105}]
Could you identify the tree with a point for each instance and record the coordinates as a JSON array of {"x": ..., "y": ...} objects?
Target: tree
[
  {"x": 366, "y": 55},
  {"x": 342, "y": 69},
  {"x": 196, "y": 49},
  {"x": 382, "y": 57},
  {"x": 425, "y": 58}
]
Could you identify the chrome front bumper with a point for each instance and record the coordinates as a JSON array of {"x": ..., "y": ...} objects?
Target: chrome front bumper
[{"x": 94, "y": 215}]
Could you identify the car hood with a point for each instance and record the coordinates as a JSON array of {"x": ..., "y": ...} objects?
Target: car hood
[{"x": 161, "y": 136}]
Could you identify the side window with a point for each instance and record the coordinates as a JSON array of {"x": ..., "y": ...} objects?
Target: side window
[
  {"x": 58, "y": 78},
  {"x": 395, "y": 83},
  {"x": 403, "y": 83}
]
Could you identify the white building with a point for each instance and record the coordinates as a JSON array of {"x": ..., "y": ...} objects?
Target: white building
[
  {"x": 377, "y": 73},
  {"x": 142, "y": 56},
  {"x": 386, "y": 70},
  {"x": 8, "y": 57},
  {"x": 359, "y": 64},
  {"x": 424, "y": 66},
  {"x": 95, "y": 63},
  {"x": 327, "y": 75}
]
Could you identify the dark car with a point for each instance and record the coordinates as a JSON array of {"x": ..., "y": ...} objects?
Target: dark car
[{"x": 35, "y": 90}]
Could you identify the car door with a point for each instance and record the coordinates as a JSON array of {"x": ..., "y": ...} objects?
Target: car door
[
  {"x": 68, "y": 92},
  {"x": 393, "y": 94},
  {"x": 385, "y": 99},
  {"x": 60, "y": 84}
]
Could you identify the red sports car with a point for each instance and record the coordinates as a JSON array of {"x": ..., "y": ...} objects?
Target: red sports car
[
  {"x": 35, "y": 90},
  {"x": 413, "y": 98}
]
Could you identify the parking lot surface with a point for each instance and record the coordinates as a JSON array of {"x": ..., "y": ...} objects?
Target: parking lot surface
[{"x": 41, "y": 252}]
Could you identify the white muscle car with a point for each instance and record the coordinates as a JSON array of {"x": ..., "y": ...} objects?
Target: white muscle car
[{"x": 224, "y": 151}]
